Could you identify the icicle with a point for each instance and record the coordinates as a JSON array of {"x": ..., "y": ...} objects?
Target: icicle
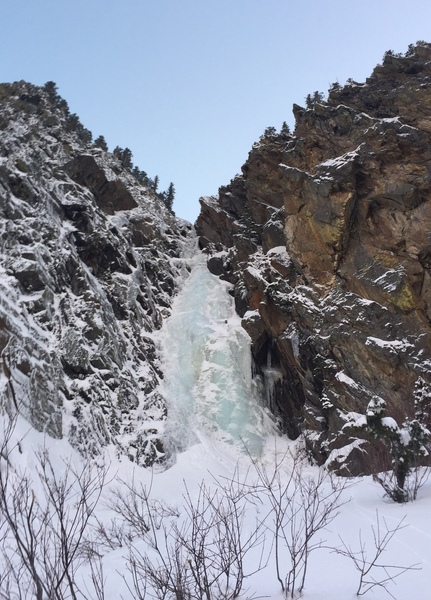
[{"x": 270, "y": 375}]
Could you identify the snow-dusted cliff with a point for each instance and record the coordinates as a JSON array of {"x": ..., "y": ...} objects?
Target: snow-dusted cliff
[{"x": 89, "y": 261}]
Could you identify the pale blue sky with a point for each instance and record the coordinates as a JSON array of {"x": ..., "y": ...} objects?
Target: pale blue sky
[{"x": 189, "y": 85}]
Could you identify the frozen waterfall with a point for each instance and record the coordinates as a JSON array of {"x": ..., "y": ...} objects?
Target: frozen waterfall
[{"x": 207, "y": 368}]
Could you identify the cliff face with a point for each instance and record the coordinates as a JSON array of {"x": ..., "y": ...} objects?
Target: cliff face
[
  {"x": 89, "y": 260},
  {"x": 326, "y": 237}
]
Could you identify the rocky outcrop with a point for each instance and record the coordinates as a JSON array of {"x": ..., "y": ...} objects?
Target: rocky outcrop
[
  {"x": 110, "y": 195},
  {"x": 326, "y": 238},
  {"x": 89, "y": 262}
]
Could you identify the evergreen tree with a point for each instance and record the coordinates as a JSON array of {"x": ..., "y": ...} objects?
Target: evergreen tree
[
  {"x": 124, "y": 155},
  {"x": 100, "y": 142},
  {"x": 136, "y": 173},
  {"x": 126, "y": 158},
  {"x": 140, "y": 175},
  {"x": 85, "y": 135},
  {"x": 74, "y": 124},
  {"x": 168, "y": 196},
  {"x": 155, "y": 183},
  {"x": 407, "y": 447},
  {"x": 316, "y": 98},
  {"x": 54, "y": 97},
  {"x": 285, "y": 129},
  {"x": 63, "y": 105},
  {"x": 422, "y": 398},
  {"x": 51, "y": 89},
  {"x": 269, "y": 132}
]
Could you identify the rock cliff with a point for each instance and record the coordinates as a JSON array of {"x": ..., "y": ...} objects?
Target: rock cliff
[
  {"x": 326, "y": 237},
  {"x": 89, "y": 261}
]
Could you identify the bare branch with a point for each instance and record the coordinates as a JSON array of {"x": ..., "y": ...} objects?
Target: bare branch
[{"x": 369, "y": 565}]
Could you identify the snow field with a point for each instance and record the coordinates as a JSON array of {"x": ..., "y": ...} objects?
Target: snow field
[
  {"x": 329, "y": 575},
  {"x": 213, "y": 413}
]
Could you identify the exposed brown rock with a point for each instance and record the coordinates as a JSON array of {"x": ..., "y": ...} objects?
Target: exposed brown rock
[{"x": 342, "y": 311}]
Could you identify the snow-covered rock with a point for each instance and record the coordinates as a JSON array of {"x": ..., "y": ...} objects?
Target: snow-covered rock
[{"x": 89, "y": 265}]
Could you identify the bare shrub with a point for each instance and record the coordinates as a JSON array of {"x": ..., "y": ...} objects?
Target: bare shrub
[
  {"x": 373, "y": 573},
  {"x": 45, "y": 536},
  {"x": 417, "y": 477},
  {"x": 200, "y": 558},
  {"x": 301, "y": 507}
]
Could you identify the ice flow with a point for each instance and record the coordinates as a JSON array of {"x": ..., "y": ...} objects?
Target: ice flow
[{"x": 206, "y": 362}]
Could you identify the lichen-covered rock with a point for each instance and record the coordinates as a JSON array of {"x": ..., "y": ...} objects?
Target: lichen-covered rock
[
  {"x": 87, "y": 275},
  {"x": 337, "y": 302}
]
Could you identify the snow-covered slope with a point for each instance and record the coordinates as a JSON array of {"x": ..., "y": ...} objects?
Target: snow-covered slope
[{"x": 112, "y": 544}]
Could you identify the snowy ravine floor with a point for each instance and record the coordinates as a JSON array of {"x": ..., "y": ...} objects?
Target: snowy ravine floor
[{"x": 212, "y": 411}]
